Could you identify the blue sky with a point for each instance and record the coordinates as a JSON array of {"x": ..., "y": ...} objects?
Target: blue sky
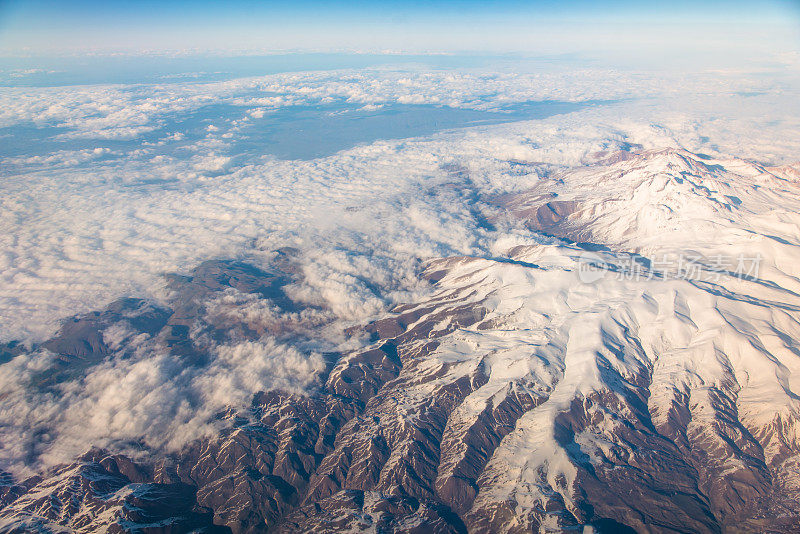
[{"x": 450, "y": 25}]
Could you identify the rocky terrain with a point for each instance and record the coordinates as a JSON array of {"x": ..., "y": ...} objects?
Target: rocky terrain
[{"x": 635, "y": 370}]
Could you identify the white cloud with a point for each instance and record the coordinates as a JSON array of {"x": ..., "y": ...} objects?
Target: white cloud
[
  {"x": 152, "y": 398},
  {"x": 60, "y": 158}
]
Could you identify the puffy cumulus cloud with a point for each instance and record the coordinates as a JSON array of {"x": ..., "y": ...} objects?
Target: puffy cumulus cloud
[
  {"x": 59, "y": 158},
  {"x": 213, "y": 163},
  {"x": 148, "y": 401},
  {"x": 251, "y": 366}
]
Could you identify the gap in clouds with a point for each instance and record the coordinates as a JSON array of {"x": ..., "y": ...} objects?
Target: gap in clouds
[{"x": 299, "y": 132}]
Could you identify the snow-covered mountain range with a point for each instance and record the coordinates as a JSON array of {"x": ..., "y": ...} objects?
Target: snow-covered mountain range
[{"x": 636, "y": 369}]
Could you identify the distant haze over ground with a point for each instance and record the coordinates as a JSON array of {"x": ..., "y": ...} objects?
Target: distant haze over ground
[{"x": 714, "y": 31}]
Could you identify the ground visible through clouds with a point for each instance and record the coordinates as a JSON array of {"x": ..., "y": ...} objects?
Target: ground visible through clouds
[{"x": 251, "y": 221}]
